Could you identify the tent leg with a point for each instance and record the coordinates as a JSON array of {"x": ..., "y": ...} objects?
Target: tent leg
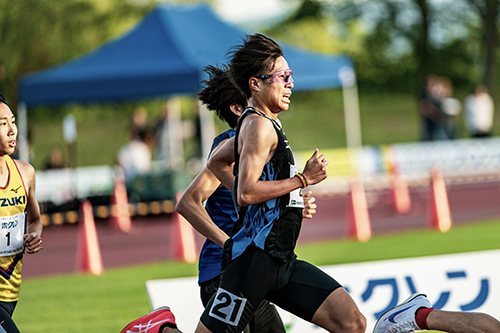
[
  {"x": 22, "y": 121},
  {"x": 351, "y": 115},
  {"x": 175, "y": 133},
  {"x": 207, "y": 129}
]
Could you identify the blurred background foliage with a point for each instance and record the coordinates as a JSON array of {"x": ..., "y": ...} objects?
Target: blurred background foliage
[{"x": 394, "y": 44}]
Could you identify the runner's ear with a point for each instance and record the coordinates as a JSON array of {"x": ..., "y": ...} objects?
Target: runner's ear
[{"x": 254, "y": 84}]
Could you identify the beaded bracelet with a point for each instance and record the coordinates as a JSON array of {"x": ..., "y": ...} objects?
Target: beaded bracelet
[{"x": 302, "y": 179}]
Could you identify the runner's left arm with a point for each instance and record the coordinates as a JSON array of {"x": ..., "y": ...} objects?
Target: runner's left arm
[
  {"x": 33, "y": 236},
  {"x": 190, "y": 206},
  {"x": 221, "y": 163}
]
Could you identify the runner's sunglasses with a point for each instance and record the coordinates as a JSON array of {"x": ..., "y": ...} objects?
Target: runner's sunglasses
[{"x": 284, "y": 76}]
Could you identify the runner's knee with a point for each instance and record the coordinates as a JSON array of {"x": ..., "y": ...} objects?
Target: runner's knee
[{"x": 356, "y": 325}]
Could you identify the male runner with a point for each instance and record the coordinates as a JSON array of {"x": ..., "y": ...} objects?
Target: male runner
[
  {"x": 216, "y": 221},
  {"x": 259, "y": 259}
]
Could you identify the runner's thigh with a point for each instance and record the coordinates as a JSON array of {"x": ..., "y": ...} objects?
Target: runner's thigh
[{"x": 306, "y": 290}]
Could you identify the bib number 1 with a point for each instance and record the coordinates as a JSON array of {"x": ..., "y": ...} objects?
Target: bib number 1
[{"x": 11, "y": 234}]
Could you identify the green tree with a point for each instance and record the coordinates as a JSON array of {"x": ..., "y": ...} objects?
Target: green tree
[
  {"x": 488, "y": 11},
  {"x": 37, "y": 34},
  {"x": 398, "y": 42}
]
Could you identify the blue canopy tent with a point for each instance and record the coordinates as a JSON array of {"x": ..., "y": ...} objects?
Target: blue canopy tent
[{"x": 161, "y": 56}]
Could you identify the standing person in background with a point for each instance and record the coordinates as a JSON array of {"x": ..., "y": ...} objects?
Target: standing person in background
[
  {"x": 430, "y": 104},
  {"x": 162, "y": 138},
  {"x": 479, "y": 112},
  {"x": 21, "y": 218},
  {"x": 134, "y": 158},
  {"x": 451, "y": 108},
  {"x": 139, "y": 121},
  {"x": 55, "y": 160}
]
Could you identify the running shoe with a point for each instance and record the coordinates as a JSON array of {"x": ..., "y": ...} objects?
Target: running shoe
[
  {"x": 152, "y": 322},
  {"x": 401, "y": 319}
]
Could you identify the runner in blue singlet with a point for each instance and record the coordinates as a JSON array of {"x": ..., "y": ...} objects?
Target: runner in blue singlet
[
  {"x": 259, "y": 260},
  {"x": 217, "y": 220}
]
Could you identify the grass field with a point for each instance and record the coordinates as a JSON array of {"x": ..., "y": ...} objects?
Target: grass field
[{"x": 106, "y": 303}]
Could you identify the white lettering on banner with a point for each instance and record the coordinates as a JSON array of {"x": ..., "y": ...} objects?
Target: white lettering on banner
[{"x": 456, "y": 282}]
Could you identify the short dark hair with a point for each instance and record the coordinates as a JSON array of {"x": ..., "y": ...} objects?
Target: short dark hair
[
  {"x": 3, "y": 99},
  {"x": 256, "y": 56},
  {"x": 220, "y": 92}
]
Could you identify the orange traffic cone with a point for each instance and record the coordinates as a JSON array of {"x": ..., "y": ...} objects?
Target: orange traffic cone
[
  {"x": 359, "y": 219},
  {"x": 89, "y": 258},
  {"x": 440, "y": 208},
  {"x": 400, "y": 193},
  {"x": 184, "y": 242},
  {"x": 120, "y": 215}
]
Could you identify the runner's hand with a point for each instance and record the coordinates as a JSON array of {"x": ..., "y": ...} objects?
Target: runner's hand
[
  {"x": 309, "y": 206},
  {"x": 32, "y": 243},
  {"x": 315, "y": 169}
]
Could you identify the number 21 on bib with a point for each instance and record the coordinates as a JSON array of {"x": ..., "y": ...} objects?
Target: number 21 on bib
[{"x": 227, "y": 307}]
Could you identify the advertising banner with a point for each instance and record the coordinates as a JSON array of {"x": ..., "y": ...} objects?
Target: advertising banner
[{"x": 456, "y": 282}]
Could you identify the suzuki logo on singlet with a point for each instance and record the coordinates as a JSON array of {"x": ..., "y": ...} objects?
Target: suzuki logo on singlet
[
  {"x": 14, "y": 201},
  {"x": 287, "y": 145}
]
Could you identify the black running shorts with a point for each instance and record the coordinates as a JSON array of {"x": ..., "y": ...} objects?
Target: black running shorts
[
  {"x": 6, "y": 322},
  {"x": 295, "y": 286}
]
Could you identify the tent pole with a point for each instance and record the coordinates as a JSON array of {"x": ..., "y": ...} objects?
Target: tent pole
[
  {"x": 175, "y": 133},
  {"x": 207, "y": 129},
  {"x": 351, "y": 115},
  {"x": 22, "y": 121}
]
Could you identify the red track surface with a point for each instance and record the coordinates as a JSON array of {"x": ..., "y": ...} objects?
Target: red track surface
[{"x": 152, "y": 238}]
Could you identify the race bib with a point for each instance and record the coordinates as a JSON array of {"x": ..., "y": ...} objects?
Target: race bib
[
  {"x": 296, "y": 199},
  {"x": 11, "y": 234},
  {"x": 227, "y": 307}
]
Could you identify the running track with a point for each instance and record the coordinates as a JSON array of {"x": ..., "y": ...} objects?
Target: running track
[{"x": 152, "y": 238}]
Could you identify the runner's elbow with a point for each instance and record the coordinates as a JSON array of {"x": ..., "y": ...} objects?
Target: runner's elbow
[
  {"x": 245, "y": 199},
  {"x": 181, "y": 207}
]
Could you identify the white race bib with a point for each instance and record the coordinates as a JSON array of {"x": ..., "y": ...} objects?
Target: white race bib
[
  {"x": 11, "y": 234},
  {"x": 227, "y": 307},
  {"x": 296, "y": 199}
]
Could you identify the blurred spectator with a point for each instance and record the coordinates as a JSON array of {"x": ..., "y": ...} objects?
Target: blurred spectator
[
  {"x": 55, "y": 160},
  {"x": 430, "y": 107},
  {"x": 134, "y": 157},
  {"x": 162, "y": 136},
  {"x": 479, "y": 113},
  {"x": 438, "y": 109},
  {"x": 451, "y": 107},
  {"x": 139, "y": 120}
]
